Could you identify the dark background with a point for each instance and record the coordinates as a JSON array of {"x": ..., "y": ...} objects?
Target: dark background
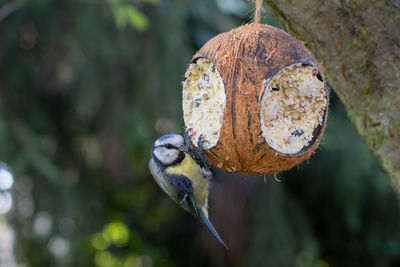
[{"x": 86, "y": 87}]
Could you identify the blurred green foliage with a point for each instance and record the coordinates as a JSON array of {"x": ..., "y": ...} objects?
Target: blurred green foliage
[
  {"x": 86, "y": 86},
  {"x": 127, "y": 14}
]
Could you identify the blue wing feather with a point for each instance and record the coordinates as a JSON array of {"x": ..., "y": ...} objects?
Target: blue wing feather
[{"x": 185, "y": 192}]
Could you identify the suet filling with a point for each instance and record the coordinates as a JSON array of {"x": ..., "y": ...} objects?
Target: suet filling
[
  {"x": 292, "y": 107},
  {"x": 203, "y": 102}
]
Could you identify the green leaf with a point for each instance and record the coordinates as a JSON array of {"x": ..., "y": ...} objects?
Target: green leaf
[{"x": 128, "y": 15}]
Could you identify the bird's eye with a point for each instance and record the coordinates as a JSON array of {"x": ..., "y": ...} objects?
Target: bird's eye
[{"x": 168, "y": 146}]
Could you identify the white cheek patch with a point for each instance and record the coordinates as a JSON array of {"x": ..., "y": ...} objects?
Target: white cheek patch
[{"x": 166, "y": 156}]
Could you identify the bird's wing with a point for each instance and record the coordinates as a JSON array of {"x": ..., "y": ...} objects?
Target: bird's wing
[{"x": 185, "y": 192}]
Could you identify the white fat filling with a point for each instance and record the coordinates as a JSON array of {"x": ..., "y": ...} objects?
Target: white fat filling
[
  {"x": 203, "y": 102},
  {"x": 292, "y": 106}
]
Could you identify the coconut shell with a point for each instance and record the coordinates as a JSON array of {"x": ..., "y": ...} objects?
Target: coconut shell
[{"x": 246, "y": 57}]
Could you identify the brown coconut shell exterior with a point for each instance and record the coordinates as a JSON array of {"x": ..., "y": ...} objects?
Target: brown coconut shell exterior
[{"x": 245, "y": 57}]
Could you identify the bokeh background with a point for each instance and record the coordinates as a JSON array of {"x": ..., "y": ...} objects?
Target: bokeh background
[{"x": 86, "y": 86}]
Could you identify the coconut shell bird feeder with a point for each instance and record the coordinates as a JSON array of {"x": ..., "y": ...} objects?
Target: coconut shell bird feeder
[{"x": 258, "y": 98}]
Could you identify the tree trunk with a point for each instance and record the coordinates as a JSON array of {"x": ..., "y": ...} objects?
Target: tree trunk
[{"x": 358, "y": 44}]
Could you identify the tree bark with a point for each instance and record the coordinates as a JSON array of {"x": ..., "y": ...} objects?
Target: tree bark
[{"x": 358, "y": 44}]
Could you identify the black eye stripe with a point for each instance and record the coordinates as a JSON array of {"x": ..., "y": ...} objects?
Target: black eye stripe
[{"x": 169, "y": 146}]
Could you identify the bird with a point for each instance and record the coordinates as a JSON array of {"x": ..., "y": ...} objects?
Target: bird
[{"x": 186, "y": 182}]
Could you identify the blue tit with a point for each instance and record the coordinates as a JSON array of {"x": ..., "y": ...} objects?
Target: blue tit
[{"x": 173, "y": 167}]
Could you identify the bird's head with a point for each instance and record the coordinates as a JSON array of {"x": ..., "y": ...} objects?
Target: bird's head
[{"x": 168, "y": 149}]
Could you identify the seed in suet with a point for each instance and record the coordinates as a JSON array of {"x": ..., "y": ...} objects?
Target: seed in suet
[
  {"x": 197, "y": 102},
  {"x": 205, "y": 77},
  {"x": 297, "y": 133}
]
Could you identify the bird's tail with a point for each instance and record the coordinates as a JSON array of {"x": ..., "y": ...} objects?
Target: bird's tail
[{"x": 207, "y": 222}]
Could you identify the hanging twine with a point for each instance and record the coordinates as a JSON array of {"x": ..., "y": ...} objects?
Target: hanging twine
[{"x": 257, "y": 13}]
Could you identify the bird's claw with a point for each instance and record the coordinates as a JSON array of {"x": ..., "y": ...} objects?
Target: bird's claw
[
  {"x": 187, "y": 136},
  {"x": 203, "y": 157},
  {"x": 200, "y": 142}
]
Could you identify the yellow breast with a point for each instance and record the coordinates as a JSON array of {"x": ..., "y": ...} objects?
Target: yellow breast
[{"x": 189, "y": 168}]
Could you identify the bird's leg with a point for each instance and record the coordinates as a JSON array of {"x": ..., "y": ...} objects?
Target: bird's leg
[
  {"x": 187, "y": 137},
  {"x": 203, "y": 158}
]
